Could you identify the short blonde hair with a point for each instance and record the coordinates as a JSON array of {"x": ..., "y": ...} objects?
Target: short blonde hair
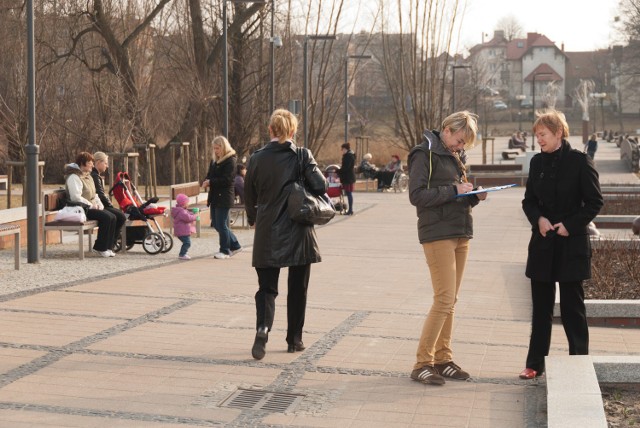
[
  {"x": 283, "y": 124},
  {"x": 553, "y": 120},
  {"x": 462, "y": 120},
  {"x": 367, "y": 156},
  {"x": 224, "y": 143}
]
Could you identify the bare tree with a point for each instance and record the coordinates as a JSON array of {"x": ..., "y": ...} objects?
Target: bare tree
[
  {"x": 510, "y": 26},
  {"x": 415, "y": 61},
  {"x": 581, "y": 95}
]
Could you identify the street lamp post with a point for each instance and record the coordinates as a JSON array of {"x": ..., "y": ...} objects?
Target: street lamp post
[
  {"x": 453, "y": 85},
  {"x": 276, "y": 42},
  {"x": 225, "y": 61},
  {"x": 520, "y": 98},
  {"x": 31, "y": 149},
  {"x": 346, "y": 92},
  {"x": 305, "y": 90},
  {"x": 533, "y": 103}
]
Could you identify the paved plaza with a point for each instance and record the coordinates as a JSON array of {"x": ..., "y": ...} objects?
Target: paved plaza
[{"x": 164, "y": 343}]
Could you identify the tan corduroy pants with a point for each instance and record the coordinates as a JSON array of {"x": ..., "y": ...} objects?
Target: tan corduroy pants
[{"x": 446, "y": 260}]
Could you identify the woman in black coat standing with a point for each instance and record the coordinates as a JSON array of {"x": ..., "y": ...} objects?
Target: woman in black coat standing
[
  {"x": 347, "y": 174},
  {"x": 220, "y": 180},
  {"x": 562, "y": 197},
  {"x": 279, "y": 241}
]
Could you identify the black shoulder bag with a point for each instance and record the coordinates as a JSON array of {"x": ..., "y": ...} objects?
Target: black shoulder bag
[{"x": 305, "y": 207}]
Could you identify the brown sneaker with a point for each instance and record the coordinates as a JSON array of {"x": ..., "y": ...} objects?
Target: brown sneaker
[
  {"x": 428, "y": 375},
  {"x": 452, "y": 370}
]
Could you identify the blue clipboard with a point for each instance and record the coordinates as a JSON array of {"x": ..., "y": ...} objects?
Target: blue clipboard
[{"x": 488, "y": 189}]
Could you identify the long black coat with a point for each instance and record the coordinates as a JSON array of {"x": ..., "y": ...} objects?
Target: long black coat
[
  {"x": 279, "y": 241},
  {"x": 221, "y": 177},
  {"x": 562, "y": 186},
  {"x": 347, "y": 171}
]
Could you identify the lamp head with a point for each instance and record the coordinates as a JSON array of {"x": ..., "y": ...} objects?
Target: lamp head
[{"x": 277, "y": 41}]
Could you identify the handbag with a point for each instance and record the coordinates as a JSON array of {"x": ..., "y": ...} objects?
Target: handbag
[
  {"x": 303, "y": 206},
  {"x": 71, "y": 213}
]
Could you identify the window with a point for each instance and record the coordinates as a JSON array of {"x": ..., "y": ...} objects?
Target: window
[{"x": 520, "y": 44}]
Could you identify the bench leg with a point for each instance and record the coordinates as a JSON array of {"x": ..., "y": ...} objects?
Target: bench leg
[
  {"x": 123, "y": 238},
  {"x": 16, "y": 250},
  {"x": 81, "y": 244},
  {"x": 198, "y": 226}
]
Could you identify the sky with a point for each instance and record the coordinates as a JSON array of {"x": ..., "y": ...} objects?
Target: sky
[{"x": 581, "y": 25}]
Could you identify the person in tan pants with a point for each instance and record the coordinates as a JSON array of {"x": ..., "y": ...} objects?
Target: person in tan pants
[{"x": 437, "y": 186}]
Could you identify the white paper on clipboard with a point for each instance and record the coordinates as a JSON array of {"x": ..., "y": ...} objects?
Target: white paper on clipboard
[{"x": 488, "y": 189}]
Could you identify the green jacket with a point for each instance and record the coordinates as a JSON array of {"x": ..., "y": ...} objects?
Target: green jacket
[{"x": 433, "y": 174}]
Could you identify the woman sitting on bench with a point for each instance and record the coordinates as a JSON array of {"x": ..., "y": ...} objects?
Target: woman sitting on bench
[
  {"x": 517, "y": 141},
  {"x": 81, "y": 190}
]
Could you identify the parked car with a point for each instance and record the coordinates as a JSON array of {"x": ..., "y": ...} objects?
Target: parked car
[
  {"x": 499, "y": 105},
  {"x": 526, "y": 103},
  {"x": 489, "y": 92}
]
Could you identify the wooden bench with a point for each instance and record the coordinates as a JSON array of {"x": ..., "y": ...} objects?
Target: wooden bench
[
  {"x": 510, "y": 154},
  {"x": 13, "y": 229},
  {"x": 52, "y": 203},
  {"x": 192, "y": 190},
  {"x": 4, "y": 182}
]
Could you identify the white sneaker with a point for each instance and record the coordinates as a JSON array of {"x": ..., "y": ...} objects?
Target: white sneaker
[
  {"x": 105, "y": 253},
  {"x": 221, "y": 256},
  {"x": 234, "y": 252},
  {"x": 111, "y": 253},
  {"x": 185, "y": 257}
]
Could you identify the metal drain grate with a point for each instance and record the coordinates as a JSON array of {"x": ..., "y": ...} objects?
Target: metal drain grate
[{"x": 262, "y": 400}]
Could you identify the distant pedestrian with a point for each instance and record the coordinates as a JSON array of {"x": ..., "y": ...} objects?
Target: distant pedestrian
[
  {"x": 347, "y": 174},
  {"x": 561, "y": 198},
  {"x": 220, "y": 180},
  {"x": 437, "y": 174},
  {"x": 238, "y": 182},
  {"x": 183, "y": 224},
  {"x": 592, "y": 146}
]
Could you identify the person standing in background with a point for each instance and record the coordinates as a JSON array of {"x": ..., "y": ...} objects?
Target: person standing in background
[
  {"x": 220, "y": 180},
  {"x": 347, "y": 174}
]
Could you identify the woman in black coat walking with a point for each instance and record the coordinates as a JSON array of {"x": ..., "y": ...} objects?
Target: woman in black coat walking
[
  {"x": 347, "y": 174},
  {"x": 562, "y": 197},
  {"x": 279, "y": 241},
  {"x": 220, "y": 180}
]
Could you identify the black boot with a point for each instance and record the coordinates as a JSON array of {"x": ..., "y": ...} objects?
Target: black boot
[{"x": 259, "y": 345}]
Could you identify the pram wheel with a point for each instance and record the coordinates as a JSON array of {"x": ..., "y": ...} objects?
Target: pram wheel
[
  {"x": 153, "y": 243},
  {"x": 168, "y": 243}
]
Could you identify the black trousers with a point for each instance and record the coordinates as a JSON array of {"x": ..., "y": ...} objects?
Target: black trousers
[
  {"x": 574, "y": 320},
  {"x": 106, "y": 228},
  {"x": 120, "y": 219},
  {"x": 298, "y": 282}
]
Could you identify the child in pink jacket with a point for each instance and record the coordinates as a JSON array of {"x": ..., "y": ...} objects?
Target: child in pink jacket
[{"x": 183, "y": 224}]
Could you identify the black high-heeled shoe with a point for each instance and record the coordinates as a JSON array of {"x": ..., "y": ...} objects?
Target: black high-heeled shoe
[{"x": 259, "y": 349}]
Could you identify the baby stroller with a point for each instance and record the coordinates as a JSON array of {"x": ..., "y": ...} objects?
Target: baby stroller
[
  {"x": 152, "y": 238},
  {"x": 334, "y": 189}
]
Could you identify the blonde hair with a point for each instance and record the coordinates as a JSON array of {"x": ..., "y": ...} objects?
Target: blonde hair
[
  {"x": 367, "y": 156},
  {"x": 283, "y": 124},
  {"x": 462, "y": 120},
  {"x": 553, "y": 120},
  {"x": 227, "y": 151}
]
